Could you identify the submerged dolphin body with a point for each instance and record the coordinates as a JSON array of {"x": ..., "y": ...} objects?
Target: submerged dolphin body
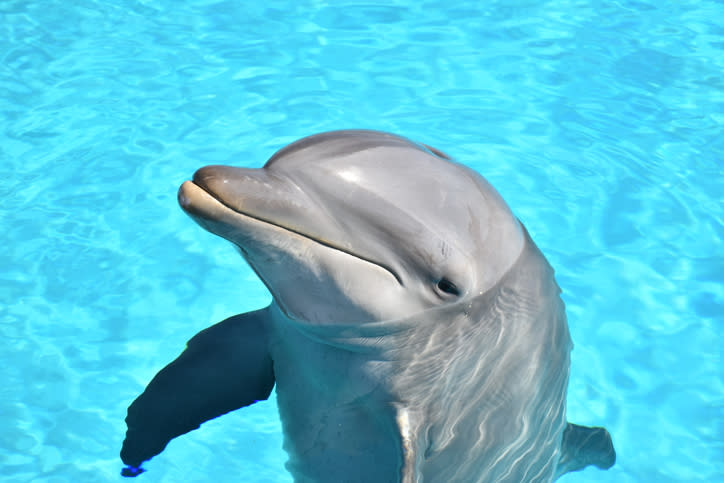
[{"x": 416, "y": 332}]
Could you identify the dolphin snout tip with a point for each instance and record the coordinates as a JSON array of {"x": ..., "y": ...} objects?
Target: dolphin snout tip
[{"x": 183, "y": 198}]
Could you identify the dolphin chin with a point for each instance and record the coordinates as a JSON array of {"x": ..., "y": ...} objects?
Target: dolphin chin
[{"x": 196, "y": 201}]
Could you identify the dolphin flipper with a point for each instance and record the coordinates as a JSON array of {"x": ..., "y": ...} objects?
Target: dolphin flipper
[
  {"x": 223, "y": 368},
  {"x": 583, "y": 446}
]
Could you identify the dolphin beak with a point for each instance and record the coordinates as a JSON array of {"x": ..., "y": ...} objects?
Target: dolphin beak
[
  {"x": 218, "y": 194},
  {"x": 251, "y": 192},
  {"x": 229, "y": 202}
]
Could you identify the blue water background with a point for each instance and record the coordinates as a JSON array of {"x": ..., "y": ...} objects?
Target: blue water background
[{"x": 600, "y": 122}]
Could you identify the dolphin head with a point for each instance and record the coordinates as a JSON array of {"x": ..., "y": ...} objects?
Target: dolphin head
[{"x": 353, "y": 227}]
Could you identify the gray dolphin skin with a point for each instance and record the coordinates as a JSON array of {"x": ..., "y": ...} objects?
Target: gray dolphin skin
[{"x": 416, "y": 333}]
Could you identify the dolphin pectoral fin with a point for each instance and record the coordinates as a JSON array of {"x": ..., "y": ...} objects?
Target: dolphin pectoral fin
[
  {"x": 583, "y": 446},
  {"x": 223, "y": 368}
]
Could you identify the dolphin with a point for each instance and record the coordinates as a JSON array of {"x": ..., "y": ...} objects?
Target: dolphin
[{"x": 416, "y": 332}]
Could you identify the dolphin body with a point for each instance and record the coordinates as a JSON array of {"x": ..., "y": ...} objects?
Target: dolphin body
[{"x": 416, "y": 332}]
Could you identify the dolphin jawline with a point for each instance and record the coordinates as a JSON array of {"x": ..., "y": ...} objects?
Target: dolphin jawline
[{"x": 186, "y": 203}]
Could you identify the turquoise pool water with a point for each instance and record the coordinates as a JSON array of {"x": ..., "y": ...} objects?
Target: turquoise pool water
[{"x": 599, "y": 122}]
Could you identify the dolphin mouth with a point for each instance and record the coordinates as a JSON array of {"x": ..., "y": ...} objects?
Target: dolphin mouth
[{"x": 209, "y": 208}]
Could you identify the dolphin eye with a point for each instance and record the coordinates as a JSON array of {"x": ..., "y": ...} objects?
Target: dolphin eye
[{"x": 447, "y": 286}]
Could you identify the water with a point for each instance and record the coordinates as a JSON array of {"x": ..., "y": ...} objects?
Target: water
[{"x": 599, "y": 122}]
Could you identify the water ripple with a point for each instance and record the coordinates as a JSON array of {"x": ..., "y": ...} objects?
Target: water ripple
[{"x": 600, "y": 123}]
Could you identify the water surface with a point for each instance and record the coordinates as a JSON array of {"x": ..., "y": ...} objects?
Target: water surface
[{"x": 599, "y": 122}]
